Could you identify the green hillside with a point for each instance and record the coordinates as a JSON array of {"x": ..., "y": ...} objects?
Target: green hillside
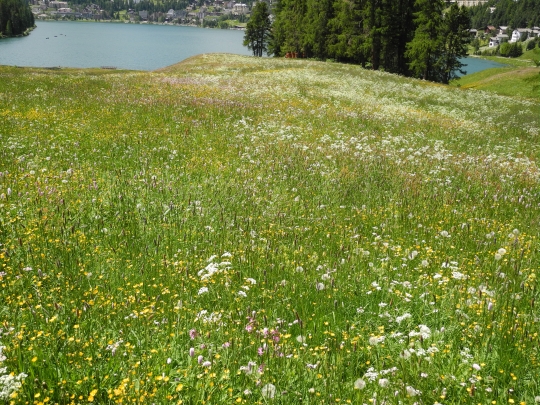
[
  {"x": 523, "y": 81},
  {"x": 266, "y": 231}
]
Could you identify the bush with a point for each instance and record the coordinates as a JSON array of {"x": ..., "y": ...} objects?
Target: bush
[
  {"x": 509, "y": 50},
  {"x": 516, "y": 50},
  {"x": 504, "y": 49},
  {"x": 531, "y": 44}
]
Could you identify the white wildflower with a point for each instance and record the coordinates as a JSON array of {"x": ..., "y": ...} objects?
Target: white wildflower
[
  {"x": 374, "y": 340},
  {"x": 268, "y": 391},
  {"x": 203, "y": 290},
  {"x": 359, "y": 384},
  {"x": 412, "y": 392},
  {"x": 401, "y": 318}
]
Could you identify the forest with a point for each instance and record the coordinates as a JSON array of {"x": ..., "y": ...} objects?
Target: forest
[
  {"x": 422, "y": 38},
  {"x": 15, "y": 17},
  {"x": 516, "y": 14}
]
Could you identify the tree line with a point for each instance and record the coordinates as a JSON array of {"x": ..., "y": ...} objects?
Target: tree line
[
  {"x": 516, "y": 14},
  {"x": 418, "y": 38},
  {"x": 15, "y": 17}
]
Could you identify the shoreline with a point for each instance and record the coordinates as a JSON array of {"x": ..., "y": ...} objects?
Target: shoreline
[{"x": 136, "y": 23}]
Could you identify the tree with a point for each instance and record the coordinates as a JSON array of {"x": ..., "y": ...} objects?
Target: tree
[
  {"x": 258, "y": 30},
  {"x": 424, "y": 50},
  {"x": 439, "y": 42},
  {"x": 288, "y": 27},
  {"x": 456, "y": 38},
  {"x": 347, "y": 40},
  {"x": 15, "y": 17},
  {"x": 318, "y": 14}
]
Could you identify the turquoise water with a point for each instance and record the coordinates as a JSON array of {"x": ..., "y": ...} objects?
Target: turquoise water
[
  {"x": 125, "y": 46},
  {"x": 476, "y": 65}
]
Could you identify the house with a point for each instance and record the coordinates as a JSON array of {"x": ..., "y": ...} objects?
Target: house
[
  {"x": 58, "y": 4},
  {"x": 144, "y": 15},
  {"x": 240, "y": 8},
  {"x": 473, "y": 33},
  {"x": 502, "y": 38},
  {"x": 470, "y": 3},
  {"x": 171, "y": 14},
  {"x": 489, "y": 28},
  {"x": 493, "y": 41},
  {"x": 516, "y": 36}
]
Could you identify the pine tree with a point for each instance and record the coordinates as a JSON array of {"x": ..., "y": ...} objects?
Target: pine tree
[
  {"x": 426, "y": 47},
  {"x": 288, "y": 27},
  {"x": 455, "y": 42},
  {"x": 347, "y": 40},
  {"x": 318, "y": 15},
  {"x": 258, "y": 29},
  {"x": 15, "y": 17}
]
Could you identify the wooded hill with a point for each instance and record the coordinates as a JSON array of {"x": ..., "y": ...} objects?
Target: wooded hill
[
  {"x": 15, "y": 17},
  {"x": 516, "y": 14},
  {"x": 421, "y": 38}
]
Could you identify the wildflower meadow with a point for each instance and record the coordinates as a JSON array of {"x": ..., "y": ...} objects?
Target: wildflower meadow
[{"x": 266, "y": 231}]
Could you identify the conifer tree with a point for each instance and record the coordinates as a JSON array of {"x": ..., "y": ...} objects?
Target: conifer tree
[
  {"x": 288, "y": 27},
  {"x": 258, "y": 29},
  {"x": 316, "y": 32},
  {"x": 456, "y": 38},
  {"x": 425, "y": 48},
  {"x": 15, "y": 17},
  {"x": 347, "y": 39}
]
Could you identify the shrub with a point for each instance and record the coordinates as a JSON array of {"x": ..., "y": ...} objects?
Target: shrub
[
  {"x": 516, "y": 50},
  {"x": 509, "y": 50},
  {"x": 504, "y": 49}
]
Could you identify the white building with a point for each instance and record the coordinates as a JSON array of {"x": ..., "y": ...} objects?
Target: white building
[
  {"x": 516, "y": 36},
  {"x": 240, "y": 8},
  {"x": 470, "y": 3},
  {"x": 58, "y": 4}
]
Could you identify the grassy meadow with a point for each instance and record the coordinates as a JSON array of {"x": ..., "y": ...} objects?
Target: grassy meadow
[
  {"x": 507, "y": 81},
  {"x": 266, "y": 231}
]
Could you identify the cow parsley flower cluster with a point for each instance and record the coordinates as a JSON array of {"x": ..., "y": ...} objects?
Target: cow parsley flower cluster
[{"x": 9, "y": 383}]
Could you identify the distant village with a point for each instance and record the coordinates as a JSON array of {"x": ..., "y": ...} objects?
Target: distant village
[
  {"x": 502, "y": 34},
  {"x": 215, "y": 12},
  {"x": 209, "y": 14}
]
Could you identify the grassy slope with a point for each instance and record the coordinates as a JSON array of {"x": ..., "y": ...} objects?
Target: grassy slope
[
  {"x": 519, "y": 79},
  {"x": 524, "y": 82},
  {"x": 356, "y": 206}
]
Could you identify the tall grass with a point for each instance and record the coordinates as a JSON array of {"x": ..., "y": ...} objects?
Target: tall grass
[{"x": 241, "y": 230}]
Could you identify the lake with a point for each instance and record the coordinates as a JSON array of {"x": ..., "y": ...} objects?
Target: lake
[
  {"x": 129, "y": 46},
  {"x": 125, "y": 46},
  {"x": 477, "y": 64}
]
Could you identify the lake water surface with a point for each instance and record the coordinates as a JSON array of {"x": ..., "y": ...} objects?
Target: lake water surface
[
  {"x": 129, "y": 46},
  {"x": 125, "y": 46},
  {"x": 477, "y": 64}
]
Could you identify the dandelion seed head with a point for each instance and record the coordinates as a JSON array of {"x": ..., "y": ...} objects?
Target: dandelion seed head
[{"x": 359, "y": 384}]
